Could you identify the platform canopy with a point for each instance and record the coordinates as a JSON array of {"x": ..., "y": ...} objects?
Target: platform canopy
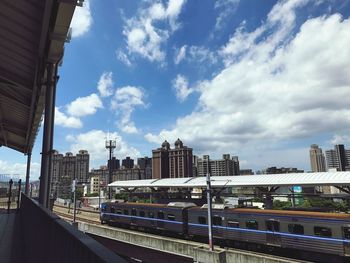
[
  {"x": 263, "y": 180},
  {"x": 32, "y": 34}
]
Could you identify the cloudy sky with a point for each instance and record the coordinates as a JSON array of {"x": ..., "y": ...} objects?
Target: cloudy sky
[{"x": 259, "y": 79}]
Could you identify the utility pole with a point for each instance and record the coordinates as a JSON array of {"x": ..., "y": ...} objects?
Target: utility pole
[
  {"x": 110, "y": 145},
  {"x": 210, "y": 225}
]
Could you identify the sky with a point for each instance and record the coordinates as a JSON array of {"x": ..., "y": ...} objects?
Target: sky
[{"x": 262, "y": 80}]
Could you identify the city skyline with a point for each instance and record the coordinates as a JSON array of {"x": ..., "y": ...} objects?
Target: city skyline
[{"x": 254, "y": 98}]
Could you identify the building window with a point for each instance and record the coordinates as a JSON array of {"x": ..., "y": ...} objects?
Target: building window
[
  {"x": 251, "y": 224},
  {"x": 296, "y": 229},
  {"x": 202, "y": 220},
  {"x": 322, "y": 231},
  {"x": 217, "y": 221}
]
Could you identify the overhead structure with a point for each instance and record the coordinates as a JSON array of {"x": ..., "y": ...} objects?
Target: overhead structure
[
  {"x": 339, "y": 179},
  {"x": 33, "y": 34}
]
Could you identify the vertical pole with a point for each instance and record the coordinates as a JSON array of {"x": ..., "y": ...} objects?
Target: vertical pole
[
  {"x": 19, "y": 193},
  {"x": 74, "y": 200},
  {"x": 99, "y": 193},
  {"x": 10, "y": 195},
  {"x": 31, "y": 191},
  {"x": 29, "y": 157},
  {"x": 48, "y": 133},
  {"x": 210, "y": 226},
  {"x": 110, "y": 170}
]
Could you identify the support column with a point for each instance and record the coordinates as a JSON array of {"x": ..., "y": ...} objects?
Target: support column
[
  {"x": 47, "y": 137},
  {"x": 29, "y": 157}
]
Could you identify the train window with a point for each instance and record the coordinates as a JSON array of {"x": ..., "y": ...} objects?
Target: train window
[
  {"x": 322, "y": 231},
  {"x": 142, "y": 213},
  {"x": 133, "y": 212},
  {"x": 171, "y": 217},
  {"x": 112, "y": 210},
  {"x": 232, "y": 223},
  {"x": 272, "y": 225},
  {"x": 296, "y": 229},
  {"x": 126, "y": 211},
  {"x": 202, "y": 220},
  {"x": 346, "y": 232},
  {"x": 251, "y": 224},
  {"x": 151, "y": 214},
  {"x": 217, "y": 221},
  {"x": 119, "y": 211},
  {"x": 160, "y": 215}
]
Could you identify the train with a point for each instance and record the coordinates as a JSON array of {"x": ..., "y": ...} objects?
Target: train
[{"x": 317, "y": 232}]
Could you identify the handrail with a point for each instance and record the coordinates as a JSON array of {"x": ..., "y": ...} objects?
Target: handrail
[{"x": 48, "y": 238}]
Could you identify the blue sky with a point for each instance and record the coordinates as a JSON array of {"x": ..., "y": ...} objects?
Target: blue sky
[{"x": 259, "y": 79}]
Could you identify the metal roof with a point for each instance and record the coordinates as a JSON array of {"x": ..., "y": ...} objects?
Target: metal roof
[
  {"x": 32, "y": 34},
  {"x": 291, "y": 179}
]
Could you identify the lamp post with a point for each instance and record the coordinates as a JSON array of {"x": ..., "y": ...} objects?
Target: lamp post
[{"x": 110, "y": 145}]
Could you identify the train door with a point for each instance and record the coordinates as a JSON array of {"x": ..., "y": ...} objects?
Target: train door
[
  {"x": 133, "y": 216},
  {"x": 160, "y": 222},
  {"x": 217, "y": 226},
  {"x": 346, "y": 236},
  {"x": 272, "y": 237}
]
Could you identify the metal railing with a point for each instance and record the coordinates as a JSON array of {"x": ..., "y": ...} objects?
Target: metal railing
[
  {"x": 48, "y": 238},
  {"x": 10, "y": 195}
]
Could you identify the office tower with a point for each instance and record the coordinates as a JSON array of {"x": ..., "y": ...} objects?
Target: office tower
[
  {"x": 236, "y": 168},
  {"x": 194, "y": 165},
  {"x": 180, "y": 161},
  {"x": 82, "y": 166},
  {"x": 115, "y": 163},
  {"x": 128, "y": 162},
  {"x": 317, "y": 159},
  {"x": 160, "y": 161}
]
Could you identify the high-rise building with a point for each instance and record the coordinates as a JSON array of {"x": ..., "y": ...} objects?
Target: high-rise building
[
  {"x": 180, "y": 161},
  {"x": 317, "y": 160},
  {"x": 56, "y": 171},
  {"x": 128, "y": 163},
  {"x": 82, "y": 166},
  {"x": 338, "y": 158},
  {"x": 173, "y": 163},
  {"x": 145, "y": 164},
  {"x": 115, "y": 164},
  {"x": 160, "y": 161},
  {"x": 226, "y": 166}
]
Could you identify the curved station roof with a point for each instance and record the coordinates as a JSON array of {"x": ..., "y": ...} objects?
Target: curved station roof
[
  {"x": 291, "y": 179},
  {"x": 32, "y": 35}
]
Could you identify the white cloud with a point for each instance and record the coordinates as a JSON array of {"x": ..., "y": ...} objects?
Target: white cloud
[
  {"x": 125, "y": 100},
  {"x": 121, "y": 56},
  {"x": 20, "y": 169},
  {"x": 63, "y": 120},
  {"x": 278, "y": 87},
  {"x": 143, "y": 37},
  {"x": 180, "y": 55},
  {"x": 82, "y": 20},
  {"x": 83, "y": 106},
  {"x": 94, "y": 142},
  {"x": 105, "y": 84},
  {"x": 180, "y": 85},
  {"x": 226, "y": 9},
  {"x": 340, "y": 139}
]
